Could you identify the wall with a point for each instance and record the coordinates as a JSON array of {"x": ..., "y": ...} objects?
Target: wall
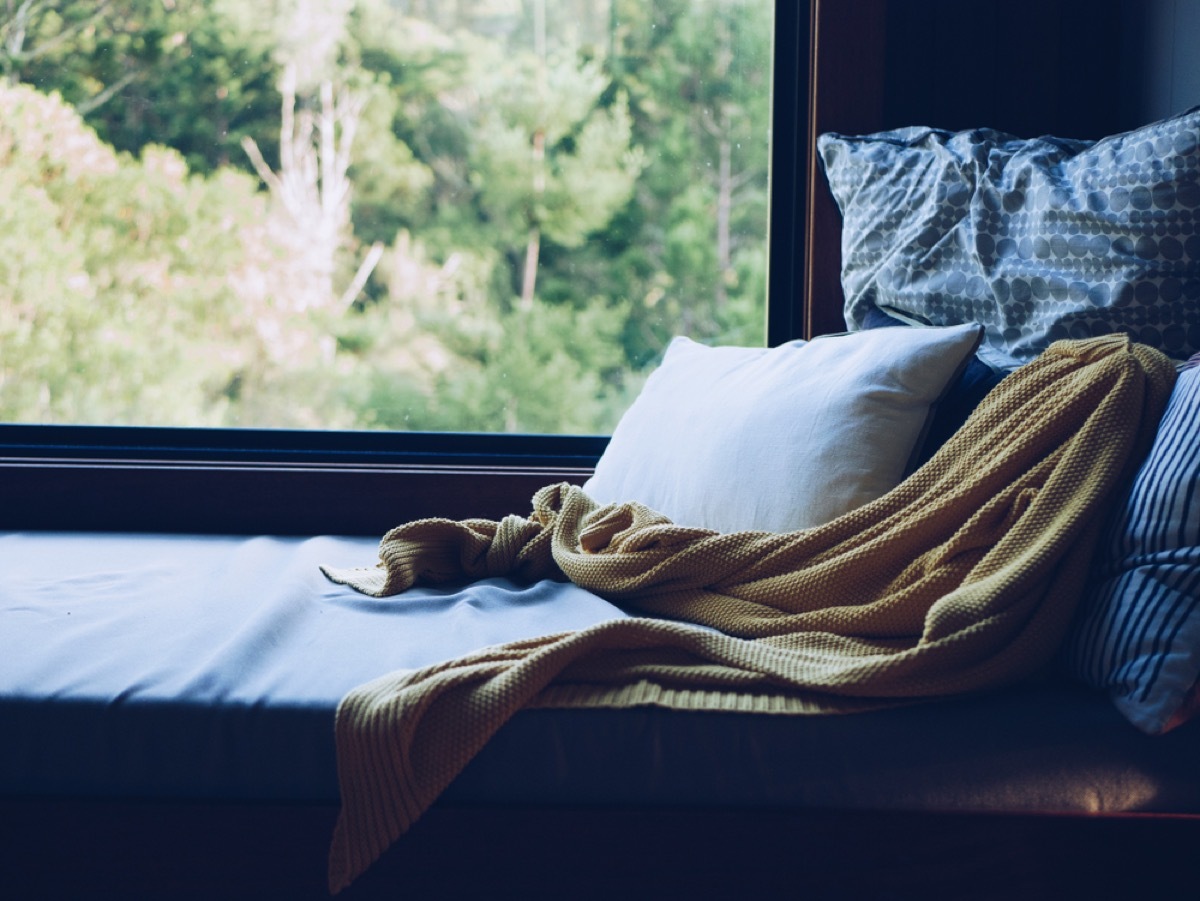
[
  {"x": 1028, "y": 67},
  {"x": 1161, "y": 65}
]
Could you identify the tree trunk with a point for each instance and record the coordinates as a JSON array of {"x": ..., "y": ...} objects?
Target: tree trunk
[
  {"x": 533, "y": 248},
  {"x": 534, "y": 243},
  {"x": 724, "y": 214}
]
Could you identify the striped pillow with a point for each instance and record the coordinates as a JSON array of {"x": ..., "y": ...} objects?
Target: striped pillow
[{"x": 1138, "y": 633}]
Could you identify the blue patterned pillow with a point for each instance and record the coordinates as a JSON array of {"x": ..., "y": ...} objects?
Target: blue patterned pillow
[
  {"x": 1138, "y": 633},
  {"x": 1037, "y": 239}
]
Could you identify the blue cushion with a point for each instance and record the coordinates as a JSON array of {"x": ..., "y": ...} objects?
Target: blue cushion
[
  {"x": 1036, "y": 239},
  {"x": 961, "y": 398},
  {"x": 1138, "y": 633}
]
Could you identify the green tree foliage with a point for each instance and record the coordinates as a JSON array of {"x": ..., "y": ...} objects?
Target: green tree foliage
[
  {"x": 173, "y": 72},
  {"x": 537, "y": 369},
  {"x": 548, "y": 161},
  {"x": 700, "y": 81},
  {"x": 542, "y": 194},
  {"x": 108, "y": 295}
]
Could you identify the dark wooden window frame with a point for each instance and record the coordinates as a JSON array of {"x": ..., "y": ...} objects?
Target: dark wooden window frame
[{"x": 298, "y": 483}]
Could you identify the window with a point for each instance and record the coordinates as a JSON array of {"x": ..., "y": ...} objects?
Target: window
[{"x": 452, "y": 277}]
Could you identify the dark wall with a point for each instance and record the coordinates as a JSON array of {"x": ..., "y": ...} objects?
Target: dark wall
[
  {"x": 1074, "y": 68},
  {"x": 1161, "y": 62}
]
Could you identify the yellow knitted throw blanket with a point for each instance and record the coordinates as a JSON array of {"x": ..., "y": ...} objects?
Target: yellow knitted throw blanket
[{"x": 963, "y": 577}]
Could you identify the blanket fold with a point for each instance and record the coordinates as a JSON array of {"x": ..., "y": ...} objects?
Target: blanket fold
[{"x": 963, "y": 577}]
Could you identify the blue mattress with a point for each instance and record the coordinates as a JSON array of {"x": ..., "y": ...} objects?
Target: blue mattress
[
  {"x": 210, "y": 666},
  {"x": 180, "y": 667}
]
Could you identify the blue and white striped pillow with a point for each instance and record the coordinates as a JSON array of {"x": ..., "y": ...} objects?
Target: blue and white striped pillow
[{"x": 1138, "y": 633}]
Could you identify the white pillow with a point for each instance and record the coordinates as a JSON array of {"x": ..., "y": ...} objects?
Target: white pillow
[{"x": 779, "y": 439}]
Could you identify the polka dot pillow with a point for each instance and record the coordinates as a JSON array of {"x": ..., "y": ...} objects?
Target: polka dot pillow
[{"x": 1036, "y": 239}]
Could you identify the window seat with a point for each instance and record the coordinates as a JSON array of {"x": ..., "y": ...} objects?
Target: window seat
[
  {"x": 182, "y": 689},
  {"x": 177, "y": 667}
]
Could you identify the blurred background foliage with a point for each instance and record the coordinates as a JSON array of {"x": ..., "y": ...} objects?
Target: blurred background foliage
[{"x": 481, "y": 215}]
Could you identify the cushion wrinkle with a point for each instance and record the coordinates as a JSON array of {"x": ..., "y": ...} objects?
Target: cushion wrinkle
[{"x": 1073, "y": 239}]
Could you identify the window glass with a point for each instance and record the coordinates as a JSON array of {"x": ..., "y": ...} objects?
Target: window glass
[{"x": 479, "y": 215}]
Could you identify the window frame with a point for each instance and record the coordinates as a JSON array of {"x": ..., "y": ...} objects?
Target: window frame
[{"x": 292, "y": 482}]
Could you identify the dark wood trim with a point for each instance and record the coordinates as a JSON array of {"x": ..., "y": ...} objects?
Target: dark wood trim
[
  {"x": 846, "y": 90},
  {"x": 147, "y": 495},
  {"x": 141, "y": 850},
  {"x": 789, "y": 147}
]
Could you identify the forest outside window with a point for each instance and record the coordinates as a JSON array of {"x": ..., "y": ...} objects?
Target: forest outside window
[{"x": 392, "y": 215}]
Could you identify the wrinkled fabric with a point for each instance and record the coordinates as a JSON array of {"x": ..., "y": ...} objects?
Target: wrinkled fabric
[
  {"x": 1037, "y": 240},
  {"x": 963, "y": 577}
]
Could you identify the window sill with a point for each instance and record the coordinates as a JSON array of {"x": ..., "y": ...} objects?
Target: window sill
[{"x": 254, "y": 497}]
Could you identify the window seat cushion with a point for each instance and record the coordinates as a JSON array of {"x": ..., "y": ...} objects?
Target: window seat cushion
[
  {"x": 196, "y": 665},
  {"x": 176, "y": 667}
]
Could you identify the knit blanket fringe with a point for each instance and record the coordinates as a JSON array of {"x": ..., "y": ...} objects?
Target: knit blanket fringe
[{"x": 964, "y": 577}]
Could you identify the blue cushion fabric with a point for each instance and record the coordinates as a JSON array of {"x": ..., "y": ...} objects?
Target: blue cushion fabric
[
  {"x": 1138, "y": 633},
  {"x": 1038, "y": 239},
  {"x": 961, "y": 398},
  {"x": 194, "y": 666}
]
